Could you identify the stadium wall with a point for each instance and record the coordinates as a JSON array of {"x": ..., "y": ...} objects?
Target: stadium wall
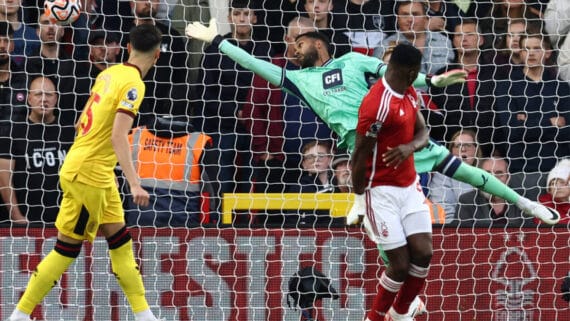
[{"x": 242, "y": 274}]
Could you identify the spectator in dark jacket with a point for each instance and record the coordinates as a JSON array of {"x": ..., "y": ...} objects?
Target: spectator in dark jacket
[
  {"x": 534, "y": 111},
  {"x": 166, "y": 85},
  {"x": 470, "y": 104},
  {"x": 316, "y": 177},
  {"x": 13, "y": 84},
  {"x": 222, "y": 93}
]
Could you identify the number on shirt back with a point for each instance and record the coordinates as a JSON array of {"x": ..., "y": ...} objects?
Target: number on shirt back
[{"x": 87, "y": 120}]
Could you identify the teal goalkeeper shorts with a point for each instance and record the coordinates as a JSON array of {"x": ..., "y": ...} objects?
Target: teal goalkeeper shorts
[{"x": 430, "y": 157}]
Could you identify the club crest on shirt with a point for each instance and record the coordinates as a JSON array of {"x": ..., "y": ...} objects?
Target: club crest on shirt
[
  {"x": 20, "y": 97},
  {"x": 413, "y": 100},
  {"x": 384, "y": 229}
]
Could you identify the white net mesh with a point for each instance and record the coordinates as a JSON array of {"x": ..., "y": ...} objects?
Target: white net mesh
[{"x": 248, "y": 198}]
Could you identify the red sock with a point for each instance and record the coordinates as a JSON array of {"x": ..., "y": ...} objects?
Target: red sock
[
  {"x": 383, "y": 301},
  {"x": 411, "y": 288}
]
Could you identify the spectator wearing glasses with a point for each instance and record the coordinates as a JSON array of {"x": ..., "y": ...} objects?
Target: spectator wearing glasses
[
  {"x": 534, "y": 112},
  {"x": 445, "y": 190},
  {"x": 316, "y": 177}
]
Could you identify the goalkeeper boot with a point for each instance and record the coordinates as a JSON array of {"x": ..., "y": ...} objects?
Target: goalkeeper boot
[{"x": 547, "y": 215}]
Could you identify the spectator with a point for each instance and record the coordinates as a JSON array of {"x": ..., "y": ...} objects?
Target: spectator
[
  {"x": 275, "y": 17},
  {"x": 557, "y": 194},
  {"x": 412, "y": 21},
  {"x": 104, "y": 51},
  {"x": 31, "y": 153},
  {"x": 557, "y": 23},
  {"x": 320, "y": 12},
  {"x": 534, "y": 111},
  {"x": 223, "y": 90},
  {"x": 12, "y": 80},
  {"x": 495, "y": 23},
  {"x": 316, "y": 167},
  {"x": 341, "y": 167},
  {"x": 184, "y": 12},
  {"x": 110, "y": 15},
  {"x": 166, "y": 85},
  {"x": 508, "y": 55},
  {"x": 443, "y": 15},
  {"x": 469, "y": 104},
  {"x": 175, "y": 164},
  {"x": 364, "y": 22},
  {"x": 51, "y": 60},
  {"x": 279, "y": 124},
  {"x": 477, "y": 208},
  {"x": 25, "y": 38},
  {"x": 315, "y": 178},
  {"x": 445, "y": 190}
]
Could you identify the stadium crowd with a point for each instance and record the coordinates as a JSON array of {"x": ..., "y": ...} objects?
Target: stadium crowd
[{"x": 510, "y": 118}]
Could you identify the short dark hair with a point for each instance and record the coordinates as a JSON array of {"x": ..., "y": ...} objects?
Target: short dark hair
[
  {"x": 6, "y": 29},
  {"x": 239, "y": 4},
  {"x": 400, "y": 3},
  {"x": 145, "y": 37},
  {"x": 316, "y": 35},
  {"x": 406, "y": 55},
  {"x": 545, "y": 41}
]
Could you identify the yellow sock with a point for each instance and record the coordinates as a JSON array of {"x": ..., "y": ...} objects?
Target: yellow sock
[
  {"x": 129, "y": 276},
  {"x": 47, "y": 274}
]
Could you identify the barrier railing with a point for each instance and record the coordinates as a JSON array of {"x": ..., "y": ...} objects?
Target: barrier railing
[{"x": 338, "y": 203}]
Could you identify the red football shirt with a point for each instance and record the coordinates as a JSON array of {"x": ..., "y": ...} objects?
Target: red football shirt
[{"x": 397, "y": 113}]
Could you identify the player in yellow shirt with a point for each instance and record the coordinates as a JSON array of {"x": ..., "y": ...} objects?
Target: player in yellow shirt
[{"x": 91, "y": 200}]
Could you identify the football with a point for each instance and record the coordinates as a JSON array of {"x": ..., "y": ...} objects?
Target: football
[{"x": 62, "y": 12}]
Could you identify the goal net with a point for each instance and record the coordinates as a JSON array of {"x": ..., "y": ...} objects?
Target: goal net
[{"x": 248, "y": 179}]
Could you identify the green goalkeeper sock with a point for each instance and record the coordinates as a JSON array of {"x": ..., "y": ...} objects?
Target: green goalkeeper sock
[{"x": 486, "y": 182}]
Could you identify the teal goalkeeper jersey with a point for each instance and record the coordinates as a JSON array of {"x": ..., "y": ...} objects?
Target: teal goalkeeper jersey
[{"x": 333, "y": 91}]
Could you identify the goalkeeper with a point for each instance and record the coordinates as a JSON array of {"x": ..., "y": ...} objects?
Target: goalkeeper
[{"x": 334, "y": 89}]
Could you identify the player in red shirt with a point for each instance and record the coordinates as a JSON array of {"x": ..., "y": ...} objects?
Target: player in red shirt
[{"x": 390, "y": 128}]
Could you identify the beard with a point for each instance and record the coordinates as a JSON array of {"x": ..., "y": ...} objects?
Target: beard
[
  {"x": 145, "y": 14},
  {"x": 4, "y": 61},
  {"x": 309, "y": 58}
]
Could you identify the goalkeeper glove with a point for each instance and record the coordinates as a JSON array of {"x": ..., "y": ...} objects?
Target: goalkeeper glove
[
  {"x": 208, "y": 34},
  {"x": 454, "y": 76},
  {"x": 565, "y": 288},
  {"x": 357, "y": 211}
]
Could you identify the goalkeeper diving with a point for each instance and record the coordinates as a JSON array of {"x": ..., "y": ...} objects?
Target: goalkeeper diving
[{"x": 334, "y": 88}]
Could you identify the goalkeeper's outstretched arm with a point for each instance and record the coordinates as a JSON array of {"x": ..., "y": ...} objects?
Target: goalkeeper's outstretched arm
[
  {"x": 275, "y": 75},
  {"x": 268, "y": 71},
  {"x": 454, "y": 76}
]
